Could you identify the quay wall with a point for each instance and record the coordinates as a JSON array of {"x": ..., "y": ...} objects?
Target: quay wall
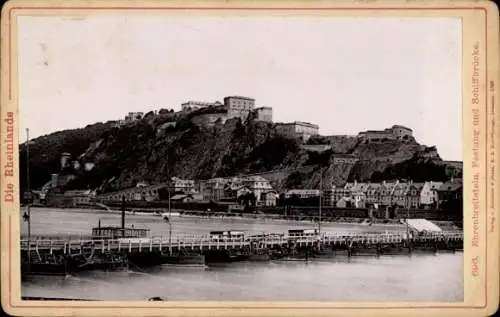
[{"x": 298, "y": 211}]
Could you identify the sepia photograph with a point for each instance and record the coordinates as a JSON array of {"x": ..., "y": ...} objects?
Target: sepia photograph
[{"x": 228, "y": 156}]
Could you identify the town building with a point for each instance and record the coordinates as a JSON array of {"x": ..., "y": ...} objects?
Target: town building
[
  {"x": 373, "y": 193},
  {"x": 238, "y": 107},
  {"x": 133, "y": 116},
  {"x": 328, "y": 196},
  {"x": 302, "y": 193},
  {"x": 297, "y": 130},
  {"x": 357, "y": 193},
  {"x": 264, "y": 114},
  {"x": 385, "y": 193},
  {"x": 429, "y": 195},
  {"x": 450, "y": 191},
  {"x": 413, "y": 194},
  {"x": 358, "y": 199},
  {"x": 400, "y": 131},
  {"x": 339, "y": 192},
  {"x": 396, "y": 132},
  {"x": 80, "y": 197},
  {"x": 141, "y": 193},
  {"x": 241, "y": 191},
  {"x": 344, "y": 202},
  {"x": 210, "y": 114},
  {"x": 214, "y": 189},
  {"x": 398, "y": 196},
  {"x": 402, "y": 194},
  {"x": 218, "y": 189},
  {"x": 261, "y": 188},
  {"x": 185, "y": 186}
]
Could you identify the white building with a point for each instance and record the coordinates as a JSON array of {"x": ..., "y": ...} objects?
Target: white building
[
  {"x": 392, "y": 133},
  {"x": 264, "y": 114},
  {"x": 133, "y": 116},
  {"x": 429, "y": 194},
  {"x": 182, "y": 185},
  {"x": 302, "y": 193},
  {"x": 260, "y": 187},
  {"x": 297, "y": 129},
  {"x": 238, "y": 106}
]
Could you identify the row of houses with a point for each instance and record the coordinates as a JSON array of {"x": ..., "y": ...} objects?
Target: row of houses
[
  {"x": 259, "y": 192},
  {"x": 406, "y": 194},
  {"x": 256, "y": 189},
  {"x": 145, "y": 192},
  {"x": 220, "y": 189}
]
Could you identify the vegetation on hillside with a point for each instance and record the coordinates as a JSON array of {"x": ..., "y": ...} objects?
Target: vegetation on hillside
[{"x": 137, "y": 152}]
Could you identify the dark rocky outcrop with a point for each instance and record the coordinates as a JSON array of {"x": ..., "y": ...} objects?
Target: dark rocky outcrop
[{"x": 136, "y": 152}]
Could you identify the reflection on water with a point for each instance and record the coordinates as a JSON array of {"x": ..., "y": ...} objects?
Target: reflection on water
[
  {"x": 399, "y": 278},
  {"x": 422, "y": 277}
]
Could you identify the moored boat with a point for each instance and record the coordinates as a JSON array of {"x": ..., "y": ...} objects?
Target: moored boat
[{"x": 184, "y": 259}]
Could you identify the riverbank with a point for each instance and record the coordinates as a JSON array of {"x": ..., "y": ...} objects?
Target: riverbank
[{"x": 176, "y": 215}]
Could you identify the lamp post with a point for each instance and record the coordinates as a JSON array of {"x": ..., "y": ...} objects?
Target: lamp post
[
  {"x": 169, "y": 209},
  {"x": 169, "y": 222},
  {"x": 407, "y": 224},
  {"x": 320, "y": 197},
  {"x": 28, "y": 191}
]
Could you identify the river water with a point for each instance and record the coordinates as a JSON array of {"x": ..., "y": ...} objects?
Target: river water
[{"x": 419, "y": 277}]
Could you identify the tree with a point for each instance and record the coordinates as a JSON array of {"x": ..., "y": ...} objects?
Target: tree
[{"x": 294, "y": 180}]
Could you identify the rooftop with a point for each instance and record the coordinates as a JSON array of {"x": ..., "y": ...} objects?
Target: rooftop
[
  {"x": 267, "y": 108},
  {"x": 299, "y": 123},
  {"x": 401, "y": 126},
  {"x": 239, "y": 97}
]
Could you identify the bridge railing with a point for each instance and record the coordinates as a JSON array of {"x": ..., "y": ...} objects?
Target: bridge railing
[{"x": 195, "y": 240}]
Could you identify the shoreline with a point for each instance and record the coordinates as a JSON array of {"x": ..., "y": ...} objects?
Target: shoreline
[
  {"x": 239, "y": 216},
  {"x": 392, "y": 225}
]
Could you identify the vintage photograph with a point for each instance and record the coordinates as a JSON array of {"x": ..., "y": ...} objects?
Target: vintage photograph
[{"x": 240, "y": 157}]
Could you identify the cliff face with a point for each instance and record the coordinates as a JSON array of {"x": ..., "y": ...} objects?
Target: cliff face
[{"x": 137, "y": 152}]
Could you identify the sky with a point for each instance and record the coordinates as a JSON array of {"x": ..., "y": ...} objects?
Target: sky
[{"x": 345, "y": 74}]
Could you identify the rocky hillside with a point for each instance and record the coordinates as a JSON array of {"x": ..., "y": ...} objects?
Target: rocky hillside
[{"x": 139, "y": 152}]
